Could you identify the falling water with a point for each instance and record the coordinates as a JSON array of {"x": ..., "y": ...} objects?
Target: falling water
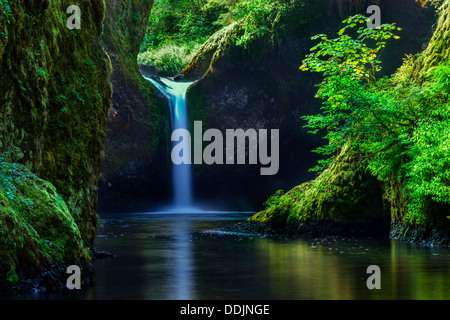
[{"x": 182, "y": 174}]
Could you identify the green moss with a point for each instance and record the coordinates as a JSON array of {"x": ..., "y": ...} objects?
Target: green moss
[
  {"x": 55, "y": 97},
  {"x": 136, "y": 119},
  {"x": 415, "y": 193},
  {"x": 36, "y": 227},
  {"x": 438, "y": 50},
  {"x": 212, "y": 50},
  {"x": 345, "y": 192}
]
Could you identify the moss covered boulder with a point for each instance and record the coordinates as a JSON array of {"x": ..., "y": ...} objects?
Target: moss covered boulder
[
  {"x": 37, "y": 231},
  {"x": 344, "y": 199}
]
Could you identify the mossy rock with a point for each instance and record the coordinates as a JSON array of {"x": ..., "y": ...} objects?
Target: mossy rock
[
  {"x": 345, "y": 193},
  {"x": 55, "y": 96},
  {"x": 133, "y": 170},
  {"x": 438, "y": 50},
  {"x": 36, "y": 227}
]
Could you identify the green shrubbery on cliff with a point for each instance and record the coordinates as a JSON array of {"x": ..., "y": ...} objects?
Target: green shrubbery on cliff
[
  {"x": 177, "y": 30},
  {"x": 395, "y": 131}
]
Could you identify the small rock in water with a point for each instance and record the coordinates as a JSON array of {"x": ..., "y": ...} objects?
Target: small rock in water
[{"x": 99, "y": 254}]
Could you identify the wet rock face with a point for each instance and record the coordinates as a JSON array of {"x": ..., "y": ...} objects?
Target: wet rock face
[
  {"x": 245, "y": 103},
  {"x": 432, "y": 237},
  {"x": 55, "y": 95},
  {"x": 54, "y": 98},
  {"x": 260, "y": 86},
  {"x": 133, "y": 166}
]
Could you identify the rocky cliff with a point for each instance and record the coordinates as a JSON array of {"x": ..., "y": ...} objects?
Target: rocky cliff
[
  {"x": 54, "y": 98},
  {"x": 347, "y": 199},
  {"x": 133, "y": 167},
  {"x": 260, "y": 86}
]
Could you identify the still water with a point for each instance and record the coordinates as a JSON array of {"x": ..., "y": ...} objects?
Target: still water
[{"x": 176, "y": 256}]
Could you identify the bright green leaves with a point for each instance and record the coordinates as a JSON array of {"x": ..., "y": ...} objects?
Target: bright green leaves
[
  {"x": 399, "y": 130},
  {"x": 274, "y": 200},
  {"x": 259, "y": 17},
  {"x": 349, "y": 89},
  {"x": 350, "y": 55},
  {"x": 428, "y": 171}
]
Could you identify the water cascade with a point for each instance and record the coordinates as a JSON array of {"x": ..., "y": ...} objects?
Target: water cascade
[{"x": 181, "y": 174}]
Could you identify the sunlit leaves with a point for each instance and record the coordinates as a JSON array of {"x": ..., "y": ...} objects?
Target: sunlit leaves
[
  {"x": 355, "y": 55},
  {"x": 258, "y": 17},
  {"x": 400, "y": 130}
]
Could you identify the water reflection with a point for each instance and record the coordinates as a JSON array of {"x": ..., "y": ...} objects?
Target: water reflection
[
  {"x": 182, "y": 255},
  {"x": 170, "y": 257}
]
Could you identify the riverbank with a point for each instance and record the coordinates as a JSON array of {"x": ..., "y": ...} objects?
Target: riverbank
[
  {"x": 329, "y": 229},
  {"x": 176, "y": 256}
]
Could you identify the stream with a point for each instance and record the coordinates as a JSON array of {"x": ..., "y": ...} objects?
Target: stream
[{"x": 177, "y": 256}]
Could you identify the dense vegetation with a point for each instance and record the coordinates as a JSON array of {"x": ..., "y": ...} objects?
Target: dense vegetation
[
  {"x": 387, "y": 137},
  {"x": 399, "y": 127},
  {"x": 392, "y": 129},
  {"x": 177, "y": 29}
]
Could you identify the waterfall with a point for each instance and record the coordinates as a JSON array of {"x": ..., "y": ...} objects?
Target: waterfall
[{"x": 175, "y": 92}]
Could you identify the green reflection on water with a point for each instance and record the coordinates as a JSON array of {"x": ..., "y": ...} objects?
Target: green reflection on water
[
  {"x": 329, "y": 270},
  {"x": 165, "y": 257}
]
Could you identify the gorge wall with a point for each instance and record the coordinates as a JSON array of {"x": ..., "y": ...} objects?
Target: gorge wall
[
  {"x": 54, "y": 98},
  {"x": 260, "y": 86},
  {"x": 134, "y": 168},
  {"x": 346, "y": 198}
]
